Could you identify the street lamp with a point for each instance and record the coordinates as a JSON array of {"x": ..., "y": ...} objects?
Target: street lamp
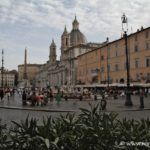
[
  {"x": 2, "y": 70},
  {"x": 128, "y": 101},
  {"x": 107, "y": 40}
]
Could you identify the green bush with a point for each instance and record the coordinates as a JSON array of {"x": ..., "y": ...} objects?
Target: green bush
[
  {"x": 3, "y": 136},
  {"x": 90, "y": 130}
]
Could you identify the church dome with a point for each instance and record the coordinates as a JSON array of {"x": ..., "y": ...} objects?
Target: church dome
[{"x": 76, "y": 37}]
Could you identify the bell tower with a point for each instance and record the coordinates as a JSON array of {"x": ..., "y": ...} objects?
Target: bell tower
[
  {"x": 65, "y": 42},
  {"x": 52, "y": 54}
]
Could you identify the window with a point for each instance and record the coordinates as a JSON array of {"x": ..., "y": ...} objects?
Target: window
[
  {"x": 116, "y": 67},
  {"x": 147, "y": 45},
  {"x": 66, "y": 41},
  {"x": 116, "y": 53},
  {"x": 148, "y": 76},
  {"x": 116, "y": 44},
  {"x": 102, "y": 57},
  {"x": 148, "y": 62},
  {"x": 137, "y": 76},
  {"x": 136, "y": 48},
  {"x": 146, "y": 34},
  {"x": 137, "y": 63},
  {"x": 102, "y": 69},
  {"x": 135, "y": 38}
]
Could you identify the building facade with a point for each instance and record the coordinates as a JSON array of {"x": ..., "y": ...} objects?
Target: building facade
[
  {"x": 64, "y": 71},
  {"x": 107, "y": 64},
  {"x": 8, "y": 79},
  {"x": 31, "y": 70}
]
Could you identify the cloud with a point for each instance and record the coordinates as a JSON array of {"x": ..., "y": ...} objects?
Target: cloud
[
  {"x": 57, "y": 13},
  {"x": 34, "y": 23}
]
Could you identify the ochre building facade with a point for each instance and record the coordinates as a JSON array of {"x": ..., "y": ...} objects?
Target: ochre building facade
[
  {"x": 107, "y": 64},
  {"x": 32, "y": 71}
]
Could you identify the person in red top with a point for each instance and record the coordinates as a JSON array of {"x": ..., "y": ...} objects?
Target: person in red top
[{"x": 38, "y": 99}]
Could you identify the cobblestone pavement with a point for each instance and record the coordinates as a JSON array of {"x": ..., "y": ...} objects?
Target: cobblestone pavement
[{"x": 13, "y": 110}]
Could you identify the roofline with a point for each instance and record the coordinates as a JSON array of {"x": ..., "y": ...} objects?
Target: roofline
[
  {"x": 132, "y": 34},
  {"x": 81, "y": 45},
  {"x": 30, "y": 65}
]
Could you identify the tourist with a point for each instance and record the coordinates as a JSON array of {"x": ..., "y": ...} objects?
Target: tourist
[
  {"x": 1, "y": 94},
  {"x": 24, "y": 98},
  {"x": 51, "y": 94},
  {"x": 58, "y": 96}
]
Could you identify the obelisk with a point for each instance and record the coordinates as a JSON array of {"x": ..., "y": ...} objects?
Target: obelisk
[{"x": 25, "y": 65}]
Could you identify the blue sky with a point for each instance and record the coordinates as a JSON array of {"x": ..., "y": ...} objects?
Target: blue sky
[{"x": 34, "y": 23}]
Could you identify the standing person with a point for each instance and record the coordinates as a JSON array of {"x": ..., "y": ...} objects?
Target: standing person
[
  {"x": 58, "y": 96},
  {"x": 38, "y": 99},
  {"x": 51, "y": 94},
  {"x": 24, "y": 98},
  {"x": 13, "y": 93},
  {"x": 1, "y": 94},
  {"x": 95, "y": 97},
  {"x": 8, "y": 94},
  {"x": 33, "y": 98},
  {"x": 45, "y": 97}
]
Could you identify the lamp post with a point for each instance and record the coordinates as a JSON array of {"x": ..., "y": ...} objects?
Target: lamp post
[
  {"x": 107, "y": 40},
  {"x": 128, "y": 101},
  {"x": 2, "y": 70}
]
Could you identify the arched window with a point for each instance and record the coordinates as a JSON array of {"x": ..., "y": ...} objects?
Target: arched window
[{"x": 66, "y": 41}]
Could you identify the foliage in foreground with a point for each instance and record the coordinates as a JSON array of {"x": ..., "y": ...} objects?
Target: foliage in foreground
[{"x": 91, "y": 130}]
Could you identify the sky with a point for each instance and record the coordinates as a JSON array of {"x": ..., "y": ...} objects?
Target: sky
[{"x": 32, "y": 24}]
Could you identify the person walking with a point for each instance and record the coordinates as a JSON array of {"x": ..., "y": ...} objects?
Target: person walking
[{"x": 1, "y": 94}]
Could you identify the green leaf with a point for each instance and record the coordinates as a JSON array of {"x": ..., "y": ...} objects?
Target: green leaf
[{"x": 47, "y": 143}]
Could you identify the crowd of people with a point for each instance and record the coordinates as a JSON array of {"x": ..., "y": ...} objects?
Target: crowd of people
[
  {"x": 41, "y": 96},
  {"x": 37, "y": 97},
  {"x": 8, "y": 92}
]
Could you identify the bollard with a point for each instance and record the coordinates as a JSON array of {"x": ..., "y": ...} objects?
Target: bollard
[
  {"x": 95, "y": 97},
  {"x": 141, "y": 101},
  {"x": 80, "y": 97},
  {"x": 66, "y": 98}
]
